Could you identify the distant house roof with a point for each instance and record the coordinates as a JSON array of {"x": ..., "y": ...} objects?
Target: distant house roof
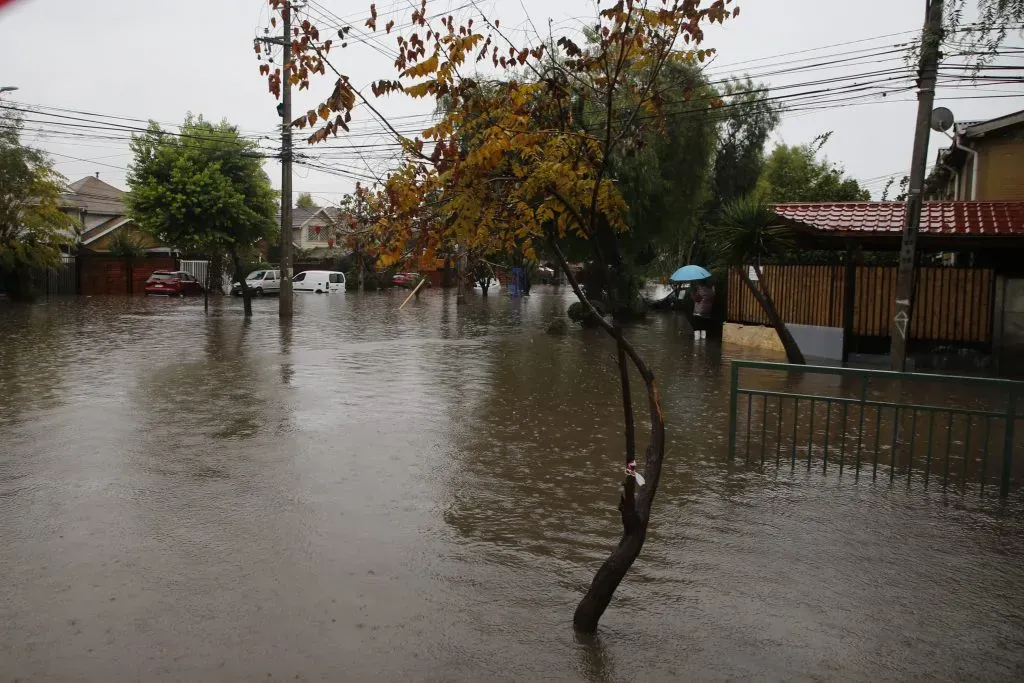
[
  {"x": 92, "y": 195},
  {"x": 858, "y": 219},
  {"x": 301, "y": 216},
  {"x": 974, "y": 129},
  {"x": 104, "y": 228}
]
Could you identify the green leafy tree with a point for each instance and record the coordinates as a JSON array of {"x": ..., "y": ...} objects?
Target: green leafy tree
[
  {"x": 979, "y": 36},
  {"x": 745, "y": 126},
  {"x": 203, "y": 188},
  {"x": 747, "y": 233},
  {"x": 795, "y": 174},
  {"x": 33, "y": 229},
  {"x": 665, "y": 179},
  {"x": 306, "y": 201}
]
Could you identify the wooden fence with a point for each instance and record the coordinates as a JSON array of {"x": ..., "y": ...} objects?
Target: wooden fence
[
  {"x": 101, "y": 274},
  {"x": 952, "y": 305}
]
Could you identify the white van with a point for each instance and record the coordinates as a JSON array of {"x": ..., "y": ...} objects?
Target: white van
[
  {"x": 319, "y": 281},
  {"x": 260, "y": 282}
]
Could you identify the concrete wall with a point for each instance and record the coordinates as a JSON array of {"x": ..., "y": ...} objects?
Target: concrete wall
[
  {"x": 814, "y": 341},
  {"x": 753, "y": 336},
  {"x": 819, "y": 342}
]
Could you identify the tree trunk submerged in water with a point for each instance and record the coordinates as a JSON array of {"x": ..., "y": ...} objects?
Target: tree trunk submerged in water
[
  {"x": 635, "y": 501},
  {"x": 246, "y": 292},
  {"x": 793, "y": 353}
]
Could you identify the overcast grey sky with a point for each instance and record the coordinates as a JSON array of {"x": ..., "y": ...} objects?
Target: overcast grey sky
[{"x": 157, "y": 59}]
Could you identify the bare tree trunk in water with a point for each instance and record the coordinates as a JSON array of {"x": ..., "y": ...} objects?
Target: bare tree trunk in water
[
  {"x": 246, "y": 292},
  {"x": 793, "y": 353},
  {"x": 361, "y": 272},
  {"x": 634, "y": 505},
  {"x": 460, "y": 280}
]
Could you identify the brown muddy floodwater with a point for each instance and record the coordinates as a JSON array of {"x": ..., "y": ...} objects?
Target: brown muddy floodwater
[{"x": 423, "y": 495}]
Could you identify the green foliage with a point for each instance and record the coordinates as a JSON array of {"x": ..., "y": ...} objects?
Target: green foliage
[
  {"x": 33, "y": 229},
  {"x": 123, "y": 244},
  {"x": 306, "y": 201},
  {"x": 982, "y": 36},
  {"x": 739, "y": 156},
  {"x": 794, "y": 174},
  {"x": 738, "y": 159},
  {"x": 665, "y": 181},
  {"x": 749, "y": 232},
  {"x": 203, "y": 188}
]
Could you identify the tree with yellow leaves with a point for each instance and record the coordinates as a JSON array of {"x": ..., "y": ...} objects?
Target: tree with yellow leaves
[{"x": 524, "y": 160}]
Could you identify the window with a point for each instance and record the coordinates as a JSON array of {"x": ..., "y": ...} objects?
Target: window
[
  {"x": 299, "y": 278},
  {"x": 316, "y": 233},
  {"x": 271, "y": 275},
  {"x": 161, "y": 276},
  {"x": 184, "y": 277},
  {"x": 337, "y": 278},
  {"x": 255, "y": 275}
]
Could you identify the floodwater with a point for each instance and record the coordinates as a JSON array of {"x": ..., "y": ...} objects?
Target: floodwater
[{"x": 423, "y": 495}]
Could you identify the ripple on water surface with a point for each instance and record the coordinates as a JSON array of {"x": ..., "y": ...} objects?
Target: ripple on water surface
[{"x": 424, "y": 494}]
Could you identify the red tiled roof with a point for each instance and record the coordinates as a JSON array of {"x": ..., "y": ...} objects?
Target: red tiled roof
[{"x": 937, "y": 218}]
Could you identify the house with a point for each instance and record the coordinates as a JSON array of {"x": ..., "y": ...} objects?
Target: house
[
  {"x": 985, "y": 161},
  {"x": 318, "y": 232},
  {"x": 99, "y": 209},
  {"x": 970, "y": 316}
]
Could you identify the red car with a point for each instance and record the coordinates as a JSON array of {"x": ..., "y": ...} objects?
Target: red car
[
  {"x": 404, "y": 279},
  {"x": 172, "y": 283}
]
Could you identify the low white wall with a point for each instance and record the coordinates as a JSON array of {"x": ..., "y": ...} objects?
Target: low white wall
[
  {"x": 819, "y": 342},
  {"x": 814, "y": 341}
]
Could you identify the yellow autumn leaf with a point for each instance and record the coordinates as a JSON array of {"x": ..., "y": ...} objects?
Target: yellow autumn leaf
[{"x": 424, "y": 68}]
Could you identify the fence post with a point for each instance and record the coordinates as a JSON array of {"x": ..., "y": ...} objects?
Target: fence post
[
  {"x": 849, "y": 288},
  {"x": 733, "y": 405},
  {"x": 1011, "y": 418}
]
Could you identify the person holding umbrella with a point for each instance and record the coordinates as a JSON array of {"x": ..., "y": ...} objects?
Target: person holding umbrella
[{"x": 703, "y": 295}]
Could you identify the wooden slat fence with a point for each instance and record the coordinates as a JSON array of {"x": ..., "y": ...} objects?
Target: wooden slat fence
[
  {"x": 951, "y": 304},
  {"x": 804, "y": 295}
]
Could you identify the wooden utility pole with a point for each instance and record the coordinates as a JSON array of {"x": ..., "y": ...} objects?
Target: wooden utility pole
[
  {"x": 931, "y": 40},
  {"x": 285, "y": 307}
]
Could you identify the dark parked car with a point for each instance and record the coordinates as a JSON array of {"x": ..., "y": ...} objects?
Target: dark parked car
[{"x": 172, "y": 283}]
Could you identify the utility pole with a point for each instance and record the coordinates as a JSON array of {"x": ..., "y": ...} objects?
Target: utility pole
[
  {"x": 285, "y": 307},
  {"x": 931, "y": 40}
]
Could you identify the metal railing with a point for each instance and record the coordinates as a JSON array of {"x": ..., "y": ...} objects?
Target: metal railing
[
  {"x": 197, "y": 269},
  {"x": 962, "y": 429}
]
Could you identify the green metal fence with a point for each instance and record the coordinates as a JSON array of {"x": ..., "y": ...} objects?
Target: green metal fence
[{"x": 961, "y": 430}]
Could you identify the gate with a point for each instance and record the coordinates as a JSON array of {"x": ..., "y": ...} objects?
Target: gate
[
  {"x": 58, "y": 281},
  {"x": 912, "y": 425},
  {"x": 197, "y": 269}
]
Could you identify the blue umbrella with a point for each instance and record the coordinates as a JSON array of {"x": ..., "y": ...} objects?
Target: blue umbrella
[{"x": 690, "y": 274}]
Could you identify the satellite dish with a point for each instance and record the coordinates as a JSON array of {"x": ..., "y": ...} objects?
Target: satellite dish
[{"x": 942, "y": 119}]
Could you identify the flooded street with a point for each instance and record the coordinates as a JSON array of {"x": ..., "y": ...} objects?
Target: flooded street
[{"x": 424, "y": 495}]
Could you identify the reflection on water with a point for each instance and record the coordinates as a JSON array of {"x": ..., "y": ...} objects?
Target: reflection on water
[{"x": 423, "y": 495}]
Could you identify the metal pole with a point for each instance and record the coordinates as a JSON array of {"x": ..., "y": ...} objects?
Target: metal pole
[
  {"x": 733, "y": 400},
  {"x": 285, "y": 307},
  {"x": 931, "y": 39},
  {"x": 1011, "y": 419}
]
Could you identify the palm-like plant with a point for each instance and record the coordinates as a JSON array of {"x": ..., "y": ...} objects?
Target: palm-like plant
[{"x": 748, "y": 232}]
